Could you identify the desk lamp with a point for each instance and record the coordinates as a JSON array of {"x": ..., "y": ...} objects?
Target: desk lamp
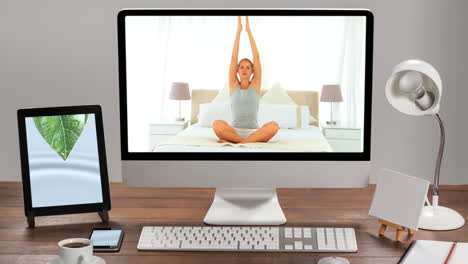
[
  {"x": 415, "y": 88},
  {"x": 180, "y": 91}
]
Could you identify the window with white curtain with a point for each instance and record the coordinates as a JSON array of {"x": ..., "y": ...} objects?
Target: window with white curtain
[{"x": 301, "y": 53}]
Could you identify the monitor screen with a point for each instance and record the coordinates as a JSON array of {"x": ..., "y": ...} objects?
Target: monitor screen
[
  {"x": 63, "y": 160},
  {"x": 226, "y": 82}
]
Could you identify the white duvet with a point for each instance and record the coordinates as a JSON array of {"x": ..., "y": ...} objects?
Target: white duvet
[{"x": 310, "y": 132}]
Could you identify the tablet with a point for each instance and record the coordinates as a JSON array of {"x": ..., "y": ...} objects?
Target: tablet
[{"x": 63, "y": 161}]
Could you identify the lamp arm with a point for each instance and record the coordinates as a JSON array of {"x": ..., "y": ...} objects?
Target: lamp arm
[{"x": 440, "y": 155}]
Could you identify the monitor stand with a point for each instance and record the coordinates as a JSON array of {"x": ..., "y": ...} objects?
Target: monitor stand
[{"x": 245, "y": 206}]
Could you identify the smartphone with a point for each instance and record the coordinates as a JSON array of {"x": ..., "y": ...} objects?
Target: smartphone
[{"x": 106, "y": 239}]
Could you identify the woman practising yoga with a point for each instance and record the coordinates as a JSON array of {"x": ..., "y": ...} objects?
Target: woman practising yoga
[{"x": 244, "y": 97}]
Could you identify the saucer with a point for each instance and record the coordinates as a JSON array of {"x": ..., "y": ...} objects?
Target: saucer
[{"x": 94, "y": 260}]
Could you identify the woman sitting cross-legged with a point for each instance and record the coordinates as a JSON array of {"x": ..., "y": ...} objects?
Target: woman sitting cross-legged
[{"x": 245, "y": 98}]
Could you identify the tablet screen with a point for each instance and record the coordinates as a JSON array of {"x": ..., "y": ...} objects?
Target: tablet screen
[{"x": 63, "y": 160}]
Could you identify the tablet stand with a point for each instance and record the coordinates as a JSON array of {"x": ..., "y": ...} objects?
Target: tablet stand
[
  {"x": 31, "y": 222},
  {"x": 104, "y": 215}
]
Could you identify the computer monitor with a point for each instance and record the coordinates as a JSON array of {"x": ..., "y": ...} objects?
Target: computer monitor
[{"x": 245, "y": 98}]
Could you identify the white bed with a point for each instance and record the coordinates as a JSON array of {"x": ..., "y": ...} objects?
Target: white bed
[
  {"x": 198, "y": 138},
  {"x": 309, "y": 133}
]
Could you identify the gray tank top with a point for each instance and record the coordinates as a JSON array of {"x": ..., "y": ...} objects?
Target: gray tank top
[{"x": 244, "y": 107}]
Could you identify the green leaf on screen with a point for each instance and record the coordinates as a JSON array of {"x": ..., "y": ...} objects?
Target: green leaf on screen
[{"x": 61, "y": 132}]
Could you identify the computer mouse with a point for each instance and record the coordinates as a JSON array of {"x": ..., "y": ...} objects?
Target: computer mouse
[{"x": 333, "y": 260}]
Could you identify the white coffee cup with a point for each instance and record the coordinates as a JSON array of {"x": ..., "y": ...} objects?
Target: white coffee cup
[{"x": 75, "y": 255}]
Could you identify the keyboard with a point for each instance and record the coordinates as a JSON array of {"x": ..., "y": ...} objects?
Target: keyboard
[{"x": 277, "y": 239}]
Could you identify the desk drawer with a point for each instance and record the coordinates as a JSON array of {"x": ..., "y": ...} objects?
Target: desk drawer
[{"x": 343, "y": 133}]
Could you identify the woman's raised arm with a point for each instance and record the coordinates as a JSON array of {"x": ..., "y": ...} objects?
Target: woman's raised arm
[
  {"x": 257, "y": 75},
  {"x": 233, "y": 81}
]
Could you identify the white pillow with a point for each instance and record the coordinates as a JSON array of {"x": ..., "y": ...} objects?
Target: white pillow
[
  {"x": 277, "y": 95},
  {"x": 306, "y": 118},
  {"x": 214, "y": 111},
  {"x": 287, "y": 116},
  {"x": 311, "y": 118},
  {"x": 222, "y": 96}
]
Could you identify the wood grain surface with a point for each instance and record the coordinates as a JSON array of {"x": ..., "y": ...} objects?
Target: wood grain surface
[{"x": 133, "y": 208}]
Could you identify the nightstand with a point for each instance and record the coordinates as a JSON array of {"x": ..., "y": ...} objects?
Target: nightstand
[
  {"x": 164, "y": 130},
  {"x": 343, "y": 138}
]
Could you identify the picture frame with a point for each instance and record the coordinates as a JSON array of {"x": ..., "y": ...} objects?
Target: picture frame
[{"x": 32, "y": 211}]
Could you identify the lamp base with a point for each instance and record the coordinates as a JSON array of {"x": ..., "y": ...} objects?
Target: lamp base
[
  {"x": 440, "y": 218},
  {"x": 331, "y": 122}
]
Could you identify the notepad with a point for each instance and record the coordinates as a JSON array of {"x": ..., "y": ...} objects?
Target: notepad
[{"x": 435, "y": 252}]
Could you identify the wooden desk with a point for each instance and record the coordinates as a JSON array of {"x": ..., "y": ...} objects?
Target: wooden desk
[{"x": 136, "y": 207}]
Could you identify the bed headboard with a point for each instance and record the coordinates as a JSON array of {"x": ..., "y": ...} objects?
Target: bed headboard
[{"x": 309, "y": 98}]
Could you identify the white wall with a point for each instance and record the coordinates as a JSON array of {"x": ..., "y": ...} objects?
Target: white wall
[{"x": 65, "y": 53}]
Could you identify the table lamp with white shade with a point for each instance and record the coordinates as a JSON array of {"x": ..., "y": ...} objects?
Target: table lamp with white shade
[
  {"x": 331, "y": 93},
  {"x": 415, "y": 88},
  {"x": 180, "y": 91}
]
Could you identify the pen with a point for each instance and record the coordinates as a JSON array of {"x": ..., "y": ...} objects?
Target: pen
[{"x": 450, "y": 253}]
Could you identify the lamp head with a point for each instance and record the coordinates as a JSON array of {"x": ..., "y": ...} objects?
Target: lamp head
[
  {"x": 410, "y": 82},
  {"x": 414, "y": 88}
]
